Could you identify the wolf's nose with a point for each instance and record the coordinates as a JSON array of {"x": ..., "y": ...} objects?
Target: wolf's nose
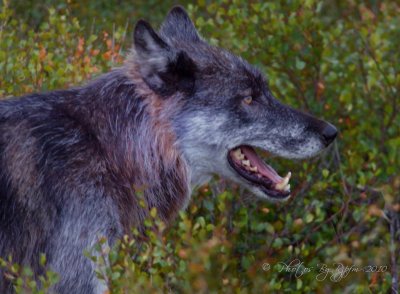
[{"x": 329, "y": 133}]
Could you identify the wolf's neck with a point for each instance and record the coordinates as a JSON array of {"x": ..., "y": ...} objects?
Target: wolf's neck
[{"x": 133, "y": 127}]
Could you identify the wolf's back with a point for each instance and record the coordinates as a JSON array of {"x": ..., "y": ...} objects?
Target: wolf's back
[
  {"x": 48, "y": 161},
  {"x": 22, "y": 226}
]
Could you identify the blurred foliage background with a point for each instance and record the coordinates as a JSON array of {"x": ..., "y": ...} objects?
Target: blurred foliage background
[{"x": 336, "y": 59}]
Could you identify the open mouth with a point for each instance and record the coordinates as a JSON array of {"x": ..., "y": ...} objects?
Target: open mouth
[{"x": 245, "y": 161}]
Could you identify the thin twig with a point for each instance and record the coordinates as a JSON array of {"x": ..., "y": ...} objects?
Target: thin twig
[{"x": 123, "y": 37}]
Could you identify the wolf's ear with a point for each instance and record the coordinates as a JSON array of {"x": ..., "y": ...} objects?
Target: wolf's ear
[
  {"x": 164, "y": 69},
  {"x": 178, "y": 25}
]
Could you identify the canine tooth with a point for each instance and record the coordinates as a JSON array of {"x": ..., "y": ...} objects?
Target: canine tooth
[
  {"x": 287, "y": 188},
  {"x": 246, "y": 162},
  {"x": 253, "y": 168},
  {"x": 284, "y": 182},
  {"x": 280, "y": 186}
]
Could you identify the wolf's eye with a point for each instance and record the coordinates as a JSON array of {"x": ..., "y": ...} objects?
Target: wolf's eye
[{"x": 248, "y": 100}]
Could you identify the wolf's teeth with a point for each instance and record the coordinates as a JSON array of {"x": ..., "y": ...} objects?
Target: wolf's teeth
[
  {"x": 284, "y": 182},
  {"x": 253, "y": 169},
  {"x": 287, "y": 188},
  {"x": 238, "y": 154},
  {"x": 280, "y": 185},
  {"x": 246, "y": 162}
]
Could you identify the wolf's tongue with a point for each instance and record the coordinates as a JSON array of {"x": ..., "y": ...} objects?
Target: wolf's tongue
[{"x": 262, "y": 167}]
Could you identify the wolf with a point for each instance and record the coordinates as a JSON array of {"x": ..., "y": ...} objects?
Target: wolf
[{"x": 73, "y": 162}]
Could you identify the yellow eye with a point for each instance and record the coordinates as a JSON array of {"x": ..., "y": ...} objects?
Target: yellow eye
[{"x": 248, "y": 100}]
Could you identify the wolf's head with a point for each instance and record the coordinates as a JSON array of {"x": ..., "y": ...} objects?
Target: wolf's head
[{"x": 227, "y": 108}]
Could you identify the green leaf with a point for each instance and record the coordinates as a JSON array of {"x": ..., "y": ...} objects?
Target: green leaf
[{"x": 300, "y": 65}]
